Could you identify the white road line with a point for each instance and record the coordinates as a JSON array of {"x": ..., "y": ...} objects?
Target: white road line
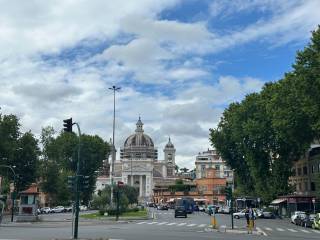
[
  {"x": 203, "y": 225},
  {"x": 162, "y": 223},
  {"x": 181, "y": 224},
  {"x": 268, "y": 229},
  {"x": 191, "y": 225},
  {"x": 141, "y": 222},
  {"x": 316, "y": 231},
  {"x": 305, "y": 231},
  {"x": 150, "y": 223},
  {"x": 280, "y": 229},
  {"x": 170, "y": 224},
  {"x": 292, "y": 230}
]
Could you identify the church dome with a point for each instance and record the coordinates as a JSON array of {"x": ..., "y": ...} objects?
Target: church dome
[{"x": 139, "y": 139}]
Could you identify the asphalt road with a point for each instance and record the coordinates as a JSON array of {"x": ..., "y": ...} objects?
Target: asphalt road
[{"x": 164, "y": 226}]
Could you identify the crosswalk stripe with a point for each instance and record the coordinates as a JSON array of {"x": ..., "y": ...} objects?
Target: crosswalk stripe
[
  {"x": 191, "y": 225},
  {"x": 305, "y": 231},
  {"x": 268, "y": 229},
  {"x": 150, "y": 223},
  {"x": 316, "y": 231},
  {"x": 141, "y": 222},
  {"x": 162, "y": 223},
  {"x": 292, "y": 230},
  {"x": 280, "y": 229},
  {"x": 181, "y": 224},
  {"x": 203, "y": 225},
  {"x": 170, "y": 224}
]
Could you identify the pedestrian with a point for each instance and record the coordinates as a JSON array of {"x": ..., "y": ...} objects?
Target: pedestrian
[
  {"x": 251, "y": 216},
  {"x": 247, "y": 216}
]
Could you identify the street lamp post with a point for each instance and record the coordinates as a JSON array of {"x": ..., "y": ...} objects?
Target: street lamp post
[
  {"x": 114, "y": 89},
  {"x": 14, "y": 188}
]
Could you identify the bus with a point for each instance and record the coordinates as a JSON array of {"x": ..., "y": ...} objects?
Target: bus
[{"x": 187, "y": 202}]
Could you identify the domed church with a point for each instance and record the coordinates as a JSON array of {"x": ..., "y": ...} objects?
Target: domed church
[{"x": 139, "y": 165}]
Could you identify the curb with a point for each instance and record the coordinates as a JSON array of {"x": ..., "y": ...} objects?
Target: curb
[{"x": 236, "y": 231}]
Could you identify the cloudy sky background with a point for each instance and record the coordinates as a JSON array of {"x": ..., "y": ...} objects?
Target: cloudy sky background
[{"x": 178, "y": 63}]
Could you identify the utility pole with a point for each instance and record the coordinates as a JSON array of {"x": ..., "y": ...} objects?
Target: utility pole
[
  {"x": 114, "y": 89},
  {"x": 68, "y": 128}
]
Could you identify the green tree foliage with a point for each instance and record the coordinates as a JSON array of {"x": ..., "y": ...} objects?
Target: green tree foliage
[
  {"x": 261, "y": 136},
  {"x": 19, "y": 150},
  {"x": 60, "y": 156}
]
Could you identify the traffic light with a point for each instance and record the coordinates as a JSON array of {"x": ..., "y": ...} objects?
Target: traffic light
[
  {"x": 228, "y": 192},
  {"x": 67, "y": 125},
  {"x": 72, "y": 183},
  {"x": 85, "y": 182}
]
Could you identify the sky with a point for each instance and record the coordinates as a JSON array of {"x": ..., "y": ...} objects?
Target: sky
[{"x": 179, "y": 63}]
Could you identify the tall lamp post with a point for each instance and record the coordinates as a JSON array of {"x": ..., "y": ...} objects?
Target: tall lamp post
[
  {"x": 114, "y": 89},
  {"x": 14, "y": 187}
]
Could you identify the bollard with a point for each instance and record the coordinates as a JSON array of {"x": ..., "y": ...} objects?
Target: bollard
[{"x": 214, "y": 221}]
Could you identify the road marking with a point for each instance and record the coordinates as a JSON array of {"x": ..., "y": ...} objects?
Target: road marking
[
  {"x": 162, "y": 223},
  {"x": 152, "y": 223},
  {"x": 292, "y": 230},
  {"x": 181, "y": 224},
  {"x": 203, "y": 225},
  {"x": 268, "y": 229},
  {"x": 170, "y": 224},
  {"x": 141, "y": 222},
  {"x": 316, "y": 231},
  {"x": 191, "y": 225},
  {"x": 305, "y": 231},
  {"x": 280, "y": 229}
]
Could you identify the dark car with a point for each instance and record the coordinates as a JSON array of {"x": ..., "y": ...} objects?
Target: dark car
[
  {"x": 162, "y": 207},
  {"x": 180, "y": 211}
]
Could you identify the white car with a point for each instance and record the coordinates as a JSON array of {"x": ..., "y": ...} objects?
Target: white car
[
  {"x": 242, "y": 214},
  {"x": 46, "y": 210},
  {"x": 297, "y": 214},
  {"x": 58, "y": 209},
  {"x": 83, "y": 208}
]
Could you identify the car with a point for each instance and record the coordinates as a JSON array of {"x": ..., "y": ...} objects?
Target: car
[
  {"x": 266, "y": 214},
  {"x": 68, "y": 209},
  {"x": 58, "y": 209},
  {"x": 295, "y": 215},
  {"x": 202, "y": 208},
  {"x": 180, "y": 211},
  {"x": 242, "y": 214},
  {"x": 162, "y": 207},
  {"x": 224, "y": 209},
  {"x": 46, "y": 210},
  {"x": 151, "y": 204},
  {"x": 316, "y": 221},
  {"x": 307, "y": 221},
  {"x": 83, "y": 208}
]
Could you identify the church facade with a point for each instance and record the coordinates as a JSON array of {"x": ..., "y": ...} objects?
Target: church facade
[{"x": 139, "y": 165}]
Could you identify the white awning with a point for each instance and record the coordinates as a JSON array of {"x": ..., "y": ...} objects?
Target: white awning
[
  {"x": 277, "y": 201},
  {"x": 200, "y": 200}
]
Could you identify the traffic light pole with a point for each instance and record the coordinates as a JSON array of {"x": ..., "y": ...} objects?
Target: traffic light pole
[
  {"x": 231, "y": 204},
  {"x": 75, "y": 233}
]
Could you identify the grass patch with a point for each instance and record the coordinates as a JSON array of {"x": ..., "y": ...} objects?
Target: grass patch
[{"x": 140, "y": 213}]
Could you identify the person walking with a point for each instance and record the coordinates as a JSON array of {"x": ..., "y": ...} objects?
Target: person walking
[{"x": 246, "y": 214}]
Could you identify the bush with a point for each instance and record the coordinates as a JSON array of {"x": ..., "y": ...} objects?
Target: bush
[{"x": 101, "y": 212}]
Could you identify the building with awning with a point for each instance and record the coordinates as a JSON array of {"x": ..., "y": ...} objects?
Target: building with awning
[{"x": 287, "y": 205}]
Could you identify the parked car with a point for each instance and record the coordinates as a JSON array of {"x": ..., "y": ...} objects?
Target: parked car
[
  {"x": 307, "y": 221},
  {"x": 162, "y": 207},
  {"x": 202, "y": 208},
  {"x": 46, "y": 210},
  {"x": 316, "y": 222},
  {"x": 58, "y": 209},
  {"x": 151, "y": 204},
  {"x": 265, "y": 213},
  {"x": 83, "y": 208},
  {"x": 68, "y": 209},
  {"x": 180, "y": 211},
  {"x": 242, "y": 214},
  {"x": 297, "y": 214},
  {"x": 224, "y": 209}
]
